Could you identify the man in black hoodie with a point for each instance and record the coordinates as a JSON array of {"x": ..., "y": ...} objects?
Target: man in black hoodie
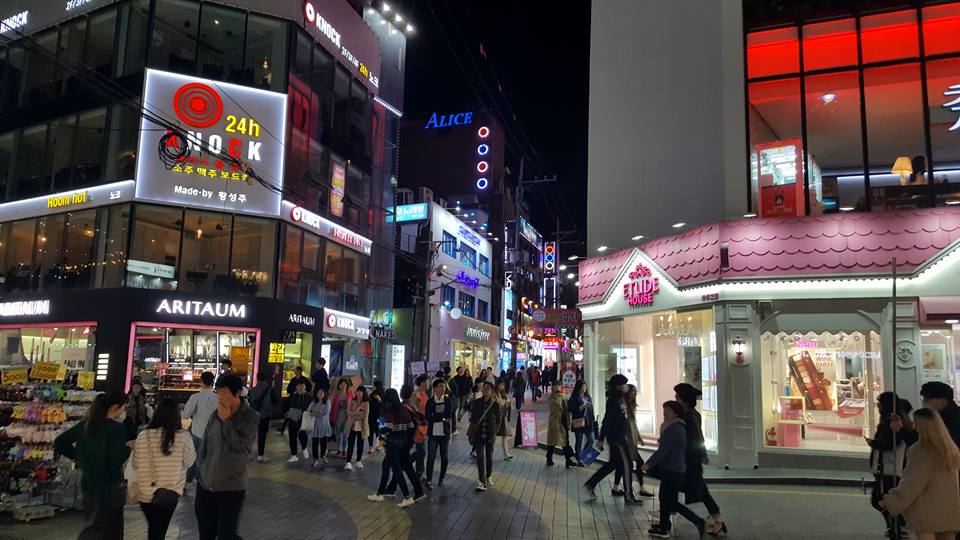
[
  {"x": 939, "y": 397},
  {"x": 614, "y": 430}
]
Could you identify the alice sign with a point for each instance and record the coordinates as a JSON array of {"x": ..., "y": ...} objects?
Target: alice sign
[{"x": 642, "y": 287}]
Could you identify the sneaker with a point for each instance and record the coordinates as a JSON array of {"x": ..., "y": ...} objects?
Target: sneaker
[
  {"x": 508, "y": 457},
  {"x": 263, "y": 459},
  {"x": 359, "y": 465},
  {"x": 657, "y": 532},
  {"x": 348, "y": 467},
  {"x": 616, "y": 491},
  {"x": 407, "y": 501},
  {"x": 418, "y": 498},
  {"x": 293, "y": 459},
  {"x": 315, "y": 464},
  {"x": 481, "y": 486},
  {"x": 427, "y": 484},
  {"x": 489, "y": 482},
  {"x": 376, "y": 497},
  {"x": 590, "y": 493},
  {"x": 324, "y": 460},
  {"x": 306, "y": 453}
]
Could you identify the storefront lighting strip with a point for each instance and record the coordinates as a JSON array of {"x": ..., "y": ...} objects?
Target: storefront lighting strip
[
  {"x": 878, "y": 285},
  {"x": 49, "y": 325},
  {"x": 133, "y": 335},
  {"x": 388, "y": 106}
]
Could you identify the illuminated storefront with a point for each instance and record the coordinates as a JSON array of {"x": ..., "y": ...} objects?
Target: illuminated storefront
[{"x": 790, "y": 352}]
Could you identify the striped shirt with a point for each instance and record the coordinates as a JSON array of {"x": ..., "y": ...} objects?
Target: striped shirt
[{"x": 157, "y": 470}]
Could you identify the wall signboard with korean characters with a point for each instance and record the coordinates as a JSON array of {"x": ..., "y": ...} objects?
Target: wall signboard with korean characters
[{"x": 232, "y": 134}]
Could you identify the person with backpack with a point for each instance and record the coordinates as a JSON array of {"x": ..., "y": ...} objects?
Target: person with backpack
[
  {"x": 439, "y": 418},
  {"x": 484, "y": 420},
  {"x": 263, "y": 398},
  {"x": 162, "y": 454}
]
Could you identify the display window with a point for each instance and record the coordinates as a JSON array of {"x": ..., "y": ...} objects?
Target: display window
[
  {"x": 297, "y": 354},
  {"x": 71, "y": 344},
  {"x": 819, "y": 389},
  {"x": 471, "y": 356},
  {"x": 656, "y": 352},
  {"x": 169, "y": 359},
  {"x": 940, "y": 355}
]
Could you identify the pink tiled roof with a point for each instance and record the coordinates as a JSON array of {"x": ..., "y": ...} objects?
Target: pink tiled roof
[{"x": 816, "y": 246}]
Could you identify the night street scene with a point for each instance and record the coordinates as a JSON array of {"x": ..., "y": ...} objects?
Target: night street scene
[{"x": 479, "y": 269}]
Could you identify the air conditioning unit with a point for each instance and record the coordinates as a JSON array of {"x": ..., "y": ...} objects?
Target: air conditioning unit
[
  {"x": 426, "y": 194},
  {"x": 404, "y": 196}
]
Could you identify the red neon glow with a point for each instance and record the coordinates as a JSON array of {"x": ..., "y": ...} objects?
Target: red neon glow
[
  {"x": 829, "y": 44},
  {"x": 890, "y": 36},
  {"x": 482, "y": 166},
  {"x": 773, "y": 52},
  {"x": 133, "y": 337},
  {"x": 941, "y": 26},
  {"x": 483, "y": 132}
]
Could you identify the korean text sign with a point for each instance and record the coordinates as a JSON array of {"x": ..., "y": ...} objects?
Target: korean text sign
[{"x": 233, "y": 135}]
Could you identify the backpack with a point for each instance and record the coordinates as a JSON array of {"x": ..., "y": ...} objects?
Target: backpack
[{"x": 420, "y": 426}]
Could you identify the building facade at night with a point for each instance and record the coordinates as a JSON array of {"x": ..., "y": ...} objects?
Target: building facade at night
[{"x": 187, "y": 183}]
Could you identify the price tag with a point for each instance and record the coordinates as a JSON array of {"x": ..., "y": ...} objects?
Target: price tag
[
  {"x": 48, "y": 371},
  {"x": 85, "y": 380},
  {"x": 277, "y": 351},
  {"x": 14, "y": 375}
]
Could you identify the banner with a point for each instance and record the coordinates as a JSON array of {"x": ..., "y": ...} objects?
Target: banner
[
  {"x": 528, "y": 428},
  {"x": 14, "y": 375},
  {"x": 277, "y": 352},
  {"x": 85, "y": 380}
]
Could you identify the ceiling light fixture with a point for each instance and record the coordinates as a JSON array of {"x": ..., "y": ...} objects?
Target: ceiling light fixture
[
  {"x": 750, "y": 215},
  {"x": 828, "y": 98},
  {"x": 601, "y": 249},
  {"x": 847, "y": 209},
  {"x": 572, "y": 258},
  {"x": 678, "y": 225},
  {"x": 386, "y": 6},
  {"x": 637, "y": 237},
  {"x": 577, "y": 284},
  {"x": 952, "y": 321},
  {"x": 562, "y": 267}
]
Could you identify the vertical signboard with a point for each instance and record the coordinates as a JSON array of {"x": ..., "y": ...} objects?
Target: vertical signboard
[
  {"x": 228, "y": 154},
  {"x": 397, "y": 357},
  {"x": 338, "y": 182}
]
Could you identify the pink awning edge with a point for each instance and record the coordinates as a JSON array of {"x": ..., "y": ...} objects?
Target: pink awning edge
[{"x": 937, "y": 309}]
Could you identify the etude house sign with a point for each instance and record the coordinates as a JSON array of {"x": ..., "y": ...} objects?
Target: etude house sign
[{"x": 642, "y": 287}]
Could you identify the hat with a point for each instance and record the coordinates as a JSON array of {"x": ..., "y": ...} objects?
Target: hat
[
  {"x": 936, "y": 389},
  {"x": 687, "y": 392},
  {"x": 618, "y": 380}
]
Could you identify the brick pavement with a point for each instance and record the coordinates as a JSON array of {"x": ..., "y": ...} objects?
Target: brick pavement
[{"x": 528, "y": 500}]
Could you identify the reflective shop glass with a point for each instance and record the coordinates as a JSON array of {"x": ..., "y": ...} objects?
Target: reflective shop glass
[
  {"x": 205, "y": 252},
  {"x": 155, "y": 247},
  {"x": 69, "y": 344},
  {"x": 173, "y": 45}
]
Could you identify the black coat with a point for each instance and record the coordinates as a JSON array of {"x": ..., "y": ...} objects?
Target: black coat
[
  {"x": 321, "y": 380},
  {"x": 693, "y": 482},
  {"x": 951, "y": 417},
  {"x": 615, "y": 426},
  {"x": 445, "y": 416}
]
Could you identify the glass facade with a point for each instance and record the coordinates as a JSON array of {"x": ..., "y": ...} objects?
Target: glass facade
[{"x": 854, "y": 113}]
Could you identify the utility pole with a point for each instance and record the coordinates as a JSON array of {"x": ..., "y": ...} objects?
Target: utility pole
[{"x": 560, "y": 235}]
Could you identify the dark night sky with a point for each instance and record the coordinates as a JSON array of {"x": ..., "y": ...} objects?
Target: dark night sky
[{"x": 540, "y": 52}]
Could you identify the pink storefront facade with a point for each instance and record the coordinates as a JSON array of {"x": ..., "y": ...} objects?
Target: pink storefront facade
[{"x": 788, "y": 325}]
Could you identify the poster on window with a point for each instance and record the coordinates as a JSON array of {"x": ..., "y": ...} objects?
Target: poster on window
[
  {"x": 338, "y": 183},
  {"x": 779, "y": 201},
  {"x": 934, "y": 362}
]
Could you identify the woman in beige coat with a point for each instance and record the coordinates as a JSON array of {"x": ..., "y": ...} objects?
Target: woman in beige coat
[
  {"x": 358, "y": 412},
  {"x": 558, "y": 427},
  {"x": 928, "y": 495}
]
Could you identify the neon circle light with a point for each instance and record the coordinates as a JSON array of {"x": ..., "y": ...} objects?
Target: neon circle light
[
  {"x": 482, "y": 166},
  {"x": 483, "y": 149},
  {"x": 482, "y": 183},
  {"x": 483, "y": 132},
  {"x": 198, "y": 105}
]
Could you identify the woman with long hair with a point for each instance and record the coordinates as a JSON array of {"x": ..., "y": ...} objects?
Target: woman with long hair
[
  {"x": 138, "y": 410},
  {"x": 886, "y": 463},
  {"x": 634, "y": 442},
  {"x": 98, "y": 445},
  {"x": 582, "y": 417},
  {"x": 505, "y": 429},
  {"x": 162, "y": 454},
  {"x": 322, "y": 432},
  {"x": 395, "y": 432},
  {"x": 340, "y": 402},
  {"x": 928, "y": 495},
  {"x": 357, "y": 414}
]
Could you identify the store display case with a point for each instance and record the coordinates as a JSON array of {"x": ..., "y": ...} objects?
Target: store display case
[{"x": 779, "y": 170}]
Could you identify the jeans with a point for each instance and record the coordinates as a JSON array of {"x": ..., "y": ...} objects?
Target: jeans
[
  {"x": 580, "y": 436},
  {"x": 358, "y": 437},
  {"x": 295, "y": 435},
  {"x": 340, "y": 429},
  {"x": 519, "y": 400},
  {"x": 158, "y": 520},
  {"x": 218, "y": 513},
  {"x": 484, "y": 451},
  {"x": 320, "y": 442},
  {"x": 670, "y": 483},
  {"x": 419, "y": 453},
  {"x": 443, "y": 443},
  {"x": 104, "y": 518},
  {"x": 262, "y": 430},
  {"x": 192, "y": 471},
  {"x": 407, "y": 468},
  {"x": 392, "y": 465},
  {"x": 374, "y": 430}
]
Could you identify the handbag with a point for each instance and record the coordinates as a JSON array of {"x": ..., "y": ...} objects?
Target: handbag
[
  {"x": 164, "y": 498},
  {"x": 472, "y": 429},
  {"x": 578, "y": 423},
  {"x": 307, "y": 421}
]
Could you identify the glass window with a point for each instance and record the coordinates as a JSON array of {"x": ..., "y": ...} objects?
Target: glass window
[
  {"x": 313, "y": 268},
  {"x": 773, "y": 52},
  {"x": 62, "y": 134},
  {"x": 72, "y": 38},
  {"x": 205, "y": 252},
  {"x": 943, "y": 88},
  {"x": 79, "y": 258},
  {"x": 155, "y": 247},
  {"x": 941, "y": 26},
  {"x": 51, "y": 263},
  {"x": 99, "y": 52},
  {"x": 62, "y": 344},
  {"x": 32, "y": 169},
  {"x": 265, "y": 55},
  {"x": 819, "y": 389},
  {"x": 18, "y": 249},
  {"x": 42, "y": 73},
  {"x": 894, "y": 107},
  {"x": 252, "y": 256},
  {"x": 112, "y": 245},
  {"x": 468, "y": 255},
  {"x": 342, "y": 277},
  {"x": 88, "y": 153},
  {"x": 834, "y": 143},
  {"x": 220, "y": 53},
  {"x": 829, "y": 44},
  {"x": 448, "y": 296},
  {"x": 121, "y": 159},
  {"x": 484, "y": 265},
  {"x": 133, "y": 27},
  {"x": 483, "y": 310},
  {"x": 467, "y": 304},
  {"x": 938, "y": 347},
  {"x": 322, "y": 84},
  {"x": 12, "y": 78},
  {"x": 449, "y": 244},
  {"x": 174, "y": 45},
  {"x": 341, "y": 102},
  {"x": 6, "y": 161},
  {"x": 776, "y": 153},
  {"x": 889, "y": 36},
  {"x": 290, "y": 262}
]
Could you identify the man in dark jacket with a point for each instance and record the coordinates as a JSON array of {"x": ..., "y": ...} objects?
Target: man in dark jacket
[
  {"x": 614, "y": 429},
  {"x": 484, "y": 419},
  {"x": 319, "y": 377},
  {"x": 440, "y": 417},
  {"x": 939, "y": 397},
  {"x": 694, "y": 486},
  {"x": 298, "y": 378}
]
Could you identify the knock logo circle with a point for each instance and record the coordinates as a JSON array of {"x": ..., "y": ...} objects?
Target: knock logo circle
[
  {"x": 332, "y": 320},
  {"x": 198, "y": 105},
  {"x": 296, "y": 213}
]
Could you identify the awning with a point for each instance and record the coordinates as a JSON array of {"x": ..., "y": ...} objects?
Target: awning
[{"x": 939, "y": 309}]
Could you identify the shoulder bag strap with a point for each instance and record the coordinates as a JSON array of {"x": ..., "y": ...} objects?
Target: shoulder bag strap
[{"x": 484, "y": 415}]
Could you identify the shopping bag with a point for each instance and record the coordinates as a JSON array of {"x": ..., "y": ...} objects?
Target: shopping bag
[
  {"x": 132, "y": 486},
  {"x": 307, "y": 421},
  {"x": 589, "y": 455}
]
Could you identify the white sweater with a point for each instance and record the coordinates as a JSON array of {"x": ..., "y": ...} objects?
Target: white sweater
[{"x": 157, "y": 470}]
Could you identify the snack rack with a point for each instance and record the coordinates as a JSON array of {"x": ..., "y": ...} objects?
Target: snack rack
[{"x": 33, "y": 484}]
